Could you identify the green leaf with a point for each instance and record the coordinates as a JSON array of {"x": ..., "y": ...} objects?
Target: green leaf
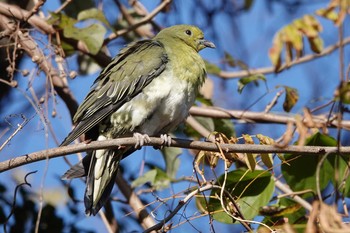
[
  {"x": 203, "y": 100},
  {"x": 300, "y": 174},
  {"x": 344, "y": 92},
  {"x": 267, "y": 159},
  {"x": 246, "y": 80},
  {"x": 254, "y": 189},
  {"x": 92, "y": 36},
  {"x": 206, "y": 122},
  {"x": 94, "y": 13},
  {"x": 172, "y": 161},
  {"x": 291, "y": 98},
  {"x": 224, "y": 126},
  {"x": 250, "y": 161},
  {"x": 76, "y": 6},
  {"x": 229, "y": 59},
  {"x": 156, "y": 177},
  {"x": 212, "y": 68},
  {"x": 285, "y": 209}
]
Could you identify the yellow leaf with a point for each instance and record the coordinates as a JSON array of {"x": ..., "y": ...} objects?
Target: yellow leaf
[
  {"x": 250, "y": 161},
  {"x": 267, "y": 160}
]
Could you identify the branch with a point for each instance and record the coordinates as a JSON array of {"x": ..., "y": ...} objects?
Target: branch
[
  {"x": 269, "y": 70},
  {"x": 143, "y": 21},
  {"x": 261, "y": 117},
  {"x": 135, "y": 203},
  {"x": 178, "y": 207},
  {"x": 181, "y": 143},
  {"x": 32, "y": 49},
  {"x": 20, "y": 14}
]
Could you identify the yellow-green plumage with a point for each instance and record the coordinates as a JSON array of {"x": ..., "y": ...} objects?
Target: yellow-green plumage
[{"x": 148, "y": 88}]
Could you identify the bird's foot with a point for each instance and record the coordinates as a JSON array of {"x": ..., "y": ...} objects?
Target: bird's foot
[
  {"x": 166, "y": 139},
  {"x": 141, "y": 139}
]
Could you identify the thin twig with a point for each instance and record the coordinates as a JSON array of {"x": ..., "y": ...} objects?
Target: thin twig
[
  {"x": 143, "y": 21},
  {"x": 270, "y": 70},
  {"x": 261, "y": 117}
]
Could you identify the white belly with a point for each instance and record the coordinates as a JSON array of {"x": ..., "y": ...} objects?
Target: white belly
[{"x": 161, "y": 106}]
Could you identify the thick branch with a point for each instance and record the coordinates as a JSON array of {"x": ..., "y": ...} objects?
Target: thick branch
[
  {"x": 20, "y": 14},
  {"x": 181, "y": 143},
  {"x": 142, "y": 215}
]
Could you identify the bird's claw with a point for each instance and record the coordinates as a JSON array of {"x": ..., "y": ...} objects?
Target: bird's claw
[
  {"x": 141, "y": 139},
  {"x": 166, "y": 140}
]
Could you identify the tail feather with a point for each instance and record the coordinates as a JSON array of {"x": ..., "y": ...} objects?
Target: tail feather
[
  {"x": 100, "y": 180},
  {"x": 100, "y": 167},
  {"x": 80, "y": 169}
]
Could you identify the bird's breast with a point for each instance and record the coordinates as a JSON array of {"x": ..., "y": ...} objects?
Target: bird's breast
[{"x": 159, "y": 108}]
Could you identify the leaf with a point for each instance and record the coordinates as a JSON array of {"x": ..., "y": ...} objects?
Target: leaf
[
  {"x": 172, "y": 162},
  {"x": 156, "y": 177},
  {"x": 343, "y": 93},
  {"x": 291, "y": 98},
  {"x": 92, "y": 36},
  {"x": 265, "y": 140},
  {"x": 275, "y": 51},
  {"x": 246, "y": 80},
  {"x": 76, "y": 6},
  {"x": 94, "y": 13},
  {"x": 329, "y": 14},
  {"x": 291, "y": 36},
  {"x": 206, "y": 122},
  {"x": 229, "y": 59},
  {"x": 253, "y": 190},
  {"x": 267, "y": 159},
  {"x": 316, "y": 44},
  {"x": 285, "y": 210},
  {"x": 300, "y": 174},
  {"x": 224, "y": 126},
  {"x": 212, "y": 68},
  {"x": 250, "y": 161}
]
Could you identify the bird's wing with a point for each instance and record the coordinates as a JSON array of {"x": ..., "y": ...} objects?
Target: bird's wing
[{"x": 125, "y": 77}]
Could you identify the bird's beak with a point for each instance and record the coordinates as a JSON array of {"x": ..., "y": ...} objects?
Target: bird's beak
[{"x": 207, "y": 43}]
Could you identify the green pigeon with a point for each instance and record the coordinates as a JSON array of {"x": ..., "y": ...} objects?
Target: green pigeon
[{"x": 146, "y": 90}]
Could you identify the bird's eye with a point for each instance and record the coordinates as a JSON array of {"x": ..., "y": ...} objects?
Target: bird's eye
[{"x": 188, "y": 32}]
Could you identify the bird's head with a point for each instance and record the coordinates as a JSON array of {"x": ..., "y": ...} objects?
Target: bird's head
[{"x": 188, "y": 34}]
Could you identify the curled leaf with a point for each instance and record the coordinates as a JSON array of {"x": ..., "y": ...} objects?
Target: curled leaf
[
  {"x": 291, "y": 98},
  {"x": 246, "y": 80}
]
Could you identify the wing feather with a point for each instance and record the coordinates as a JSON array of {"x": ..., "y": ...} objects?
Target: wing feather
[{"x": 125, "y": 77}]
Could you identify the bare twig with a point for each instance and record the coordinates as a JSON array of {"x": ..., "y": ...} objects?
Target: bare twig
[
  {"x": 143, "y": 21},
  {"x": 19, "y": 128},
  {"x": 261, "y": 117},
  {"x": 270, "y": 70},
  {"x": 15, "y": 197},
  {"x": 60, "y": 85},
  {"x": 179, "y": 206},
  {"x": 135, "y": 203}
]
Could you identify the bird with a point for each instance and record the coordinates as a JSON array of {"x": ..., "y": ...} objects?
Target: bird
[{"x": 146, "y": 90}]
